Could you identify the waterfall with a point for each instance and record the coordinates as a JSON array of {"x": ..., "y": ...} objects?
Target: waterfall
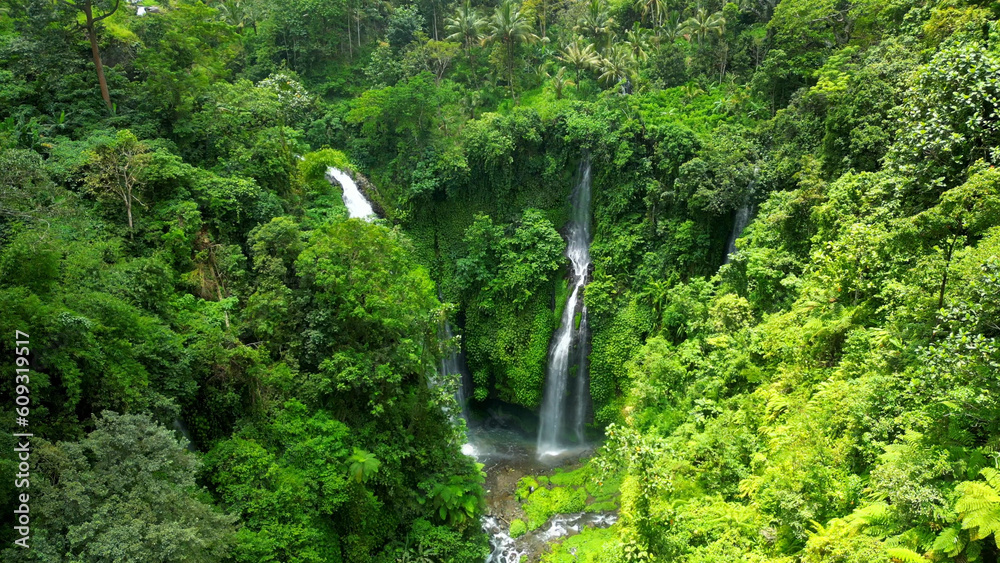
[
  {"x": 740, "y": 222},
  {"x": 743, "y": 216},
  {"x": 357, "y": 205},
  {"x": 182, "y": 428},
  {"x": 571, "y": 336},
  {"x": 454, "y": 363}
]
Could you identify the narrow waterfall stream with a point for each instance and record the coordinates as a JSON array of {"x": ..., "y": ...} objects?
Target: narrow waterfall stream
[
  {"x": 558, "y": 424},
  {"x": 454, "y": 364},
  {"x": 742, "y": 218},
  {"x": 740, "y": 222},
  {"x": 357, "y": 205}
]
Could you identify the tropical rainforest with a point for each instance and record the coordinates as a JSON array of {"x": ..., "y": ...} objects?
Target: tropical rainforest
[{"x": 225, "y": 367}]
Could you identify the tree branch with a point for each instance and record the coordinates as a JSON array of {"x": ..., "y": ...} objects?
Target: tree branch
[{"x": 109, "y": 14}]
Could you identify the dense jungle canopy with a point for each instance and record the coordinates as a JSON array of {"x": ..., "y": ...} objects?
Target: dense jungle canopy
[{"x": 225, "y": 367}]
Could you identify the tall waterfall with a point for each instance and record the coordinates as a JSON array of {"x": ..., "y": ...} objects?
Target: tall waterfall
[
  {"x": 742, "y": 217},
  {"x": 569, "y": 345},
  {"x": 740, "y": 222},
  {"x": 452, "y": 364},
  {"x": 357, "y": 205}
]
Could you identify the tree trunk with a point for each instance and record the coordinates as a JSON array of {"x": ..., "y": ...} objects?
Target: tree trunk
[
  {"x": 434, "y": 10},
  {"x": 944, "y": 277},
  {"x": 92, "y": 35},
  {"x": 128, "y": 210},
  {"x": 510, "y": 72}
]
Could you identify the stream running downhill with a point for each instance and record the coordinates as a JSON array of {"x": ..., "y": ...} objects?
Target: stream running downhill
[{"x": 358, "y": 206}]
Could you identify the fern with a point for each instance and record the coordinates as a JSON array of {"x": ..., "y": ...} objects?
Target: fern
[
  {"x": 917, "y": 537},
  {"x": 992, "y": 477},
  {"x": 979, "y": 505},
  {"x": 949, "y": 542},
  {"x": 903, "y": 555},
  {"x": 876, "y": 520}
]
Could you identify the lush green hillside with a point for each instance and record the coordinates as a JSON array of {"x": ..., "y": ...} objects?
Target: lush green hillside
[{"x": 828, "y": 393}]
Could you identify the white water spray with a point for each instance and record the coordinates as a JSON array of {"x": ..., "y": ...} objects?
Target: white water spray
[
  {"x": 555, "y": 422},
  {"x": 357, "y": 206},
  {"x": 742, "y": 218},
  {"x": 504, "y": 549},
  {"x": 740, "y": 222}
]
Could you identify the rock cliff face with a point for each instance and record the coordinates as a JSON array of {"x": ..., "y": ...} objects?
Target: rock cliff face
[{"x": 370, "y": 192}]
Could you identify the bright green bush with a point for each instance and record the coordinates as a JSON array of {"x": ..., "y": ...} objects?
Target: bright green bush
[{"x": 517, "y": 528}]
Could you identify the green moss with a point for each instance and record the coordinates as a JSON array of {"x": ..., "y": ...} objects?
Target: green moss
[
  {"x": 544, "y": 503},
  {"x": 511, "y": 344},
  {"x": 525, "y": 486},
  {"x": 614, "y": 342},
  {"x": 566, "y": 492},
  {"x": 585, "y": 547},
  {"x": 606, "y": 506},
  {"x": 603, "y": 490},
  {"x": 576, "y": 478},
  {"x": 517, "y": 528}
]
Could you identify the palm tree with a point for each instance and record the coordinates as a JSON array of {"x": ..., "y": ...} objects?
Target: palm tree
[
  {"x": 672, "y": 27},
  {"x": 652, "y": 8},
  {"x": 466, "y": 27},
  {"x": 617, "y": 65},
  {"x": 560, "y": 81},
  {"x": 238, "y": 14},
  {"x": 596, "y": 22},
  {"x": 702, "y": 24},
  {"x": 509, "y": 28},
  {"x": 691, "y": 91},
  {"x": 638, "y": 40},
  {"x": 657, "y": 294},
  {"x": 579, "y": 55}
]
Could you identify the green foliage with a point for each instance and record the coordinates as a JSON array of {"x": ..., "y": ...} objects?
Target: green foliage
[
  {"x": 978, "y": 505},
  {"x": 314, "y": 164},
  {"x": 545, "y": 502},
  {"x": 363, "y": 465},
  {"x": 366, "y": 293},
  {"x": 830, "y": 395},
  {"x": 588, "y": 546},
  {"x": 511, "y": 274},
  {"x": 460, "y": 500},
  {"x": 566, "y": 492},
  {"x": 133, "y": 486},
  {"x": 517, "y": 528},
  {"x": 936, "y": 144},
  {"x": 115, "y": 171}
]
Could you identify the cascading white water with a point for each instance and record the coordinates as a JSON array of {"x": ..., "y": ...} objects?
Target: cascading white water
[
  {"x": 454, "y": 364},
  {"x": 582, "y": 389},
  {"x": 553, "y": 423},
  {"x": 357, "y": 205},
  {"x": 742, "y": 218},
  {"x": 740, "y": 222},
  {"x": 504, "y": 549}
]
